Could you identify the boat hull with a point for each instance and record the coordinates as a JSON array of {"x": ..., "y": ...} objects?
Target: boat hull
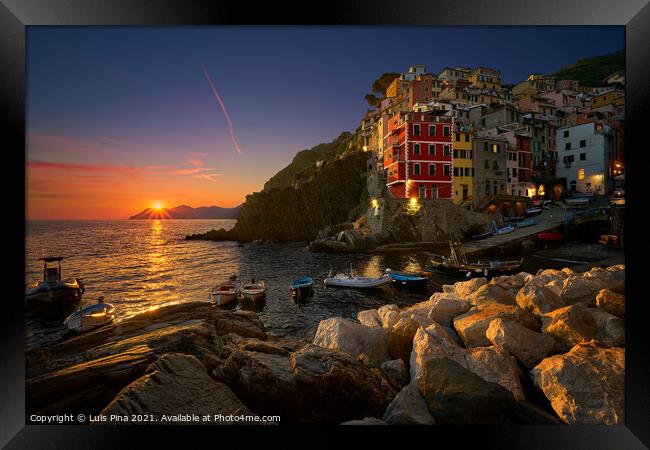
[
  {"x": 357, "y": 283},
  {"x": 410, "y": 282},
  {"x": 249, "y": 295},
  {"x": 90, "y": 317},
  {"x": 476, "y": 270},
  {"x": 303, "y": 292},
  {"x": 67, "y": 291},
  {"x": 223, "y": 298}
]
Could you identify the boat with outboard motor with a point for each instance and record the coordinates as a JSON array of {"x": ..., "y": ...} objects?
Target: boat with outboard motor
[
  {"x": 253, "y": 289},
  {"x": 225, "y": 292},
  {"x": 53, "y": 289},
  {"x": 302, "y": 288},
  {"x": 413, "y": 281},
  {"x": 457, "y": 264},
  {"x": 351, "y": 280}
]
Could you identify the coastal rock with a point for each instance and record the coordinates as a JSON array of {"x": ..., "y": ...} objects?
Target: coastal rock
[
  {"x": 511, "y": 282},
  {"x": 527, "y": 346},
  {"x": 308, "y": 385},
  {"x": 492, "y": 293},
  {"x": 369, "y": 318},
  {"x": 365, "y": 421},
  {"x": 584, "y": 288},
  {"x": 618, "y": 271},
  {"x": 354, "y": 339},
  {"x": 586, "y": 385},
  {"x": 389, "y": 315},
  {"x": 464, "y": 289},
  {"x": 570, "y": 325},
  {"x": 611, "y": 302},
  {"x": 454, "y": 395},
  {"x": 400, "y": 339},
  {"x": 243, "y": 323},
  {"x": 447, "y": 306},
  {"x": 471, "y": 326},
  {"x": 578, "y": 324},
  {"x": 538, "y": 299},
  {"x": 420, "y": 310},
  {"x": 395, "y": 372},
  {"x": 492, "y": 363},
  {"x": 408, "y": 408},
  {"x": 173, "y": 384}
]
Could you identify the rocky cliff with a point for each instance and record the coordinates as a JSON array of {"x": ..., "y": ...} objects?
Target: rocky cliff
[{"x": 321, "y": 197}]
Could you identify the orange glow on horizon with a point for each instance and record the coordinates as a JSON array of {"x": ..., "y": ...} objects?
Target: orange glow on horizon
[{"x": 157, "y": 206}]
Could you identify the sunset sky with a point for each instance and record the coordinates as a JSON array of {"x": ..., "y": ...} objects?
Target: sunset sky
[{"x": 120, "y": 118}]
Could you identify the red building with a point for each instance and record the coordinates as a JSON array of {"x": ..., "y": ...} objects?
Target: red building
[
  {"x": 524, "y": 156},
  {"x": 418, "y": 155}
]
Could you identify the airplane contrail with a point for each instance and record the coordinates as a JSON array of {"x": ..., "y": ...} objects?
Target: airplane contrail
[{"x": 225, "y": 111}]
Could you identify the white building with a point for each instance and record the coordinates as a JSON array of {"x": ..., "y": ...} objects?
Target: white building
[{"x": 584, "y": 157}]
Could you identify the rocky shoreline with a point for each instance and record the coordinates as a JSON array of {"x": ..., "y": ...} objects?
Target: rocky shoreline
[{"x": 524, "y": 349}]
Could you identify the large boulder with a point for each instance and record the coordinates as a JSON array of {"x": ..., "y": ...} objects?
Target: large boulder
[
  {"x": 585, "y": 385},
  {"x": 578, "y": 324},
  {"x": 492, "y": 363},
  {"x": 354, "y": 339},
  {"x": 176, "y": 384},
  {"x": 369, "y": 318},
  {"x": 471, "y": 326},
  {"x": 243, "y": 323},
  {"x": 618, "y": 271},
  {"x": 420, "y": 311},
  {"x": 538, "y": 299},
  {"x": 309, "y": 384},
  {"x": 511, "y": 282},
  {"x": 447, "y": 306},
  {"x": 584, "y": 288},
  {"x": 492, "y": 293},
  {"x": 527, "y": 346},
  {"x": 611, "y": 302},
  {"x": 408, "y": 408},
  {"x": 395, "y": 373},
  {"x": 454, "y": 395},
  {"x": 389, "y": 315},
  {"x": 464, "y": 289},
  {"x": 400, "y": 338}
]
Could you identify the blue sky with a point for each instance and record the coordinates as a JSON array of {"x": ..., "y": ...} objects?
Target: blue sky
[{"x": 134, "y": 97}]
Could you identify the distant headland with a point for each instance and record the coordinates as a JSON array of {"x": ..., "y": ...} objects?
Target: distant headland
[{"x": 187, "y": 212}]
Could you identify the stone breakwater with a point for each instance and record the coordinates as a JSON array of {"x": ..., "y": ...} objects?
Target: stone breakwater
[{"x": 524, "y": 349}]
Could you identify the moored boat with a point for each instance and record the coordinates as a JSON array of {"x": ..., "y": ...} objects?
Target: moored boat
[
  {"x": 226, "y": 292},
  {"x": 91, "y": 317},
  {"x": 457, "y": 264},
  {"x": 408, "y": 280},
  {"x": 301, "y": 288},
  {"x": 353, "y": 281},
  {"x": 534, "y": 211},
  {"x": 53, "y": 289},
  {"x": 478, "y": 237},
  {"x": 253, "y": 290},
  {"x": 505, "y": 230}
]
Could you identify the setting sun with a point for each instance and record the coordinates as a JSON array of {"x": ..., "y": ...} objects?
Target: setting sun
[{"x": 157, "y": 206}]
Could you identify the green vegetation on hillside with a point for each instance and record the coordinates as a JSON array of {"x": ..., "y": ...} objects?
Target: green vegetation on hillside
[
  {"x": 379, "y": 87},
  {"x": 306, "y": 160},
  {"x": 592, "y": 71}
]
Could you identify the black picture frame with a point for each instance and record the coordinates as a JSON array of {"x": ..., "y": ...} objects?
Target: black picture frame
[{"x": 15, "y": 15}]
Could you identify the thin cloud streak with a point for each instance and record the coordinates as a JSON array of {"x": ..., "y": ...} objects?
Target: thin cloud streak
[{"x": 225, "y": 111}]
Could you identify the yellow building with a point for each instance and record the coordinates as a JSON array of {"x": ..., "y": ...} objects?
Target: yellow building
[
  {"x": 616, "y": 98},
  {"x": 463, "y": 180},
  {"x": 485, "y": 78}
]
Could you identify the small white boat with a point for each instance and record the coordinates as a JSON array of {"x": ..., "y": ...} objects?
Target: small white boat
[
  {"x": 226, "y": 292},
  {"x": 91, "y": 317},
  {"x": 253, "y": 290},
  {"x": 353, "y": 281}
]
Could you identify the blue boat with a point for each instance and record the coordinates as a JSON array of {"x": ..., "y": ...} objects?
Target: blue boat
[
  {"x": 478, "y": 237},
  {"x": 408, "y": 281},
  {"x": 302, "y": 288}
]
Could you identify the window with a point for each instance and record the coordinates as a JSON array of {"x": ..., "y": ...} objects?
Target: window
[
  {"x": 455, "y": 172},
  {"x": 455, "y": 153},
  {"x": 416, "y": 149},
  {"x": 445, "y": 131},
  {"x": 466, "y": 137},
  {"x": 485, "y": 146},
  {"x": 447, "y": 150},
  {"x": 483, "y": 121},
  {"x": 432, "y": 149},
  {"x": 423, "y": 192},
  {"x": 487, "y": 186},
  {"x": 447, "y": 169},
  {"x": 581, "y": 174},
  {"x": 495, "y": 188},
  {"x": 567, "y": 146},
  {"x": 457, "y": 137},
  {"x": 495, "y": 165},
  {"x": 416, "y": 129},
  {"x": 432, "y": 130},
  {"x": 432, "y": 169},
  {"x": 514, "y": 172},
  {"x": 416, "y": 169},
  {"x": 583, "y": 156},
  {"x": 469, "y": 154},
  {"x": 583, "y": 143},
  {"x": 487, "y": 164}
]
